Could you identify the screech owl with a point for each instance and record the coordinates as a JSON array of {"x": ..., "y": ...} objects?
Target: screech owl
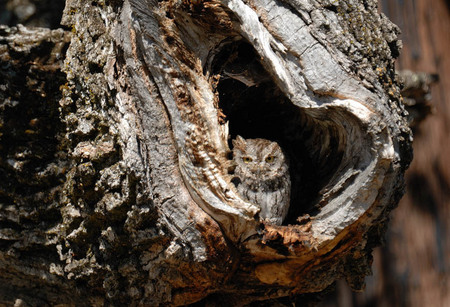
[{"x": 263, "y": 173}]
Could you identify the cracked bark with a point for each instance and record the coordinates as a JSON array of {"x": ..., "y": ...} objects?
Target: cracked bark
[{"x": 134, "y": 200}]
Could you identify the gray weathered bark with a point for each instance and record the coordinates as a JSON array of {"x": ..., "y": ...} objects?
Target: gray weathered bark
[{"x": 147, "y": 212}]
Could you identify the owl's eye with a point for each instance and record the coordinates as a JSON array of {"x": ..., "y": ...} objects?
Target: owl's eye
[
  {"x": 247, "y": 159},
  {"x": 270, "y": 159}
]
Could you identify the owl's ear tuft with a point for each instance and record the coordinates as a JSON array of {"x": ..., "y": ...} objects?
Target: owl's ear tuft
[
  {"x": 239, "y": 142},
  {"x": 273, "y": 148}
]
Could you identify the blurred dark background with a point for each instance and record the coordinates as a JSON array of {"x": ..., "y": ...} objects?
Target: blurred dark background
[
  {"x": 32, "y": 13},
  {"x": 412, "y": 268}
]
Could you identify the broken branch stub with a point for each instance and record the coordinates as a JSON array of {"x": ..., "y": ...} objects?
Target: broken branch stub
[{"x": 306, "y": 75}]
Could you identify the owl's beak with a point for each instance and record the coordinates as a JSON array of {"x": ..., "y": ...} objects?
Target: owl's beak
[{"x": 257, "y": 170}]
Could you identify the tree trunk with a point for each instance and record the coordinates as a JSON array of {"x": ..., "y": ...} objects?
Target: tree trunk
[
  {"x": 412, "y": 269},
  {"x": 134, "y": 201}
]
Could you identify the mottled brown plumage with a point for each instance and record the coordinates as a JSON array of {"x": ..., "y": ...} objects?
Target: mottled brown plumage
[{"x": 263, "y": 173}]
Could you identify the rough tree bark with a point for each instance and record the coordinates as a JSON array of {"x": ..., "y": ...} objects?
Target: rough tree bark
[{"x": 133, "y": 202}]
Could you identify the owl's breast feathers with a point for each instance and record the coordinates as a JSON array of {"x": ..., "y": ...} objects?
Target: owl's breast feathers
[{"x": 259, "y": 184}]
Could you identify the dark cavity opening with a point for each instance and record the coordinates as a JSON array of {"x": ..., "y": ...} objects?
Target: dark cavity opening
[{"x": 256, "y": 108}]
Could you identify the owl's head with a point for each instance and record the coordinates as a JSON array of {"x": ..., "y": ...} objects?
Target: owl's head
[{"x": 258, "y": 158}]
